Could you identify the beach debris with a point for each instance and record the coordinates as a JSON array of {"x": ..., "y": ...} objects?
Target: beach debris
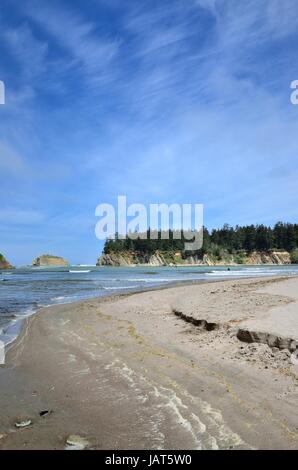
[
  {"x": 294, "y": 357},
  {"x": 45, "y": 413},
  {"x": 23, "y": 424},
  {"x": 2, "y": 436},
  {"x": 75, "y": 442},
  {"x": 262, "y": 353}
]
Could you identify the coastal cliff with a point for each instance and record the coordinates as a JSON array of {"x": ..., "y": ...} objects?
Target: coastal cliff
[
  {"x": 4, "y": 264},
  {"x": 49, "y": 260},
  {"x": 132, "y": 258}
]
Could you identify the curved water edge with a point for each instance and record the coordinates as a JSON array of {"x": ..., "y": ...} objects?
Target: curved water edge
[{"x": 24, "y": 290}]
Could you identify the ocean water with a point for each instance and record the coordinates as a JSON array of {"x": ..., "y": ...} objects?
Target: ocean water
[{"x": 24, "y": 290}]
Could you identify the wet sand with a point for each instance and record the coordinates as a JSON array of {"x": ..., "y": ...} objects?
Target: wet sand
[{"x": 161, "y": 369}]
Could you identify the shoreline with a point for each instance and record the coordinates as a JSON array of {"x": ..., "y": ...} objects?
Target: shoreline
[
  {"x": 12, "y": 327},
  {"x": 25, "y": 318},
  {"x": 111, "y": 343}
]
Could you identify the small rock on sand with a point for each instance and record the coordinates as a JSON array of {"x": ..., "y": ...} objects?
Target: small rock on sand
[
  {"x": 45, "y": 413},
  {"x": 75, "y": 442},
  {"x": 23, "y": 424}
]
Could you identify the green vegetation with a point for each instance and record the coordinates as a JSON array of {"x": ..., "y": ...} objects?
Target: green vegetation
[
  {"x": 240, "y": 257},
  {"x": 294, "y": 256},
  {"x": 219, "y": 243}
]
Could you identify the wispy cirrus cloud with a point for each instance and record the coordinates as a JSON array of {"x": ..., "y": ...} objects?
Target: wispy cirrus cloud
[
  {"x": 180, "y": 101},
  {"x": 30, "y": 53},
  {"x": 87, "y": 51}
]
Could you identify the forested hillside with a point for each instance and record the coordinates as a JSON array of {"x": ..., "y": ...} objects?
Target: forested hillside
[{"x": 218, "y": 242}]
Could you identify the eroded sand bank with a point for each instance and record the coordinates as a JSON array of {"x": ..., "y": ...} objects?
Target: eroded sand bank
[{"x": 161, "y": 369}]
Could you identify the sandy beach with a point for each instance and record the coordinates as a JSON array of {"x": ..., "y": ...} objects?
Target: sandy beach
[{"x": 162, "y": 369}]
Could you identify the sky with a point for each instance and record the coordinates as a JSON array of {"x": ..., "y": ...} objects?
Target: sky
[{"x": 173, "y": 101}]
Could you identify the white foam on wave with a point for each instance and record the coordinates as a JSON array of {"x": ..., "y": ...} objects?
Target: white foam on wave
[
  {"x": 77, "y": 271},
  {"x": 240, "y": 273},
  {"x": 26, "y": 313},
  {"x": 8, "y": 339},
  {"x": 87, "y": 265},
  {"x": 151, "y": 280},
  {"x": 2, "y": 352},
  {"x": 120, "y": 288},
  {"x": 10, "y": 332}
]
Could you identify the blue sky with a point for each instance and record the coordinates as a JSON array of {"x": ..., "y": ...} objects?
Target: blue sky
[{"x": 184, "y": 101}]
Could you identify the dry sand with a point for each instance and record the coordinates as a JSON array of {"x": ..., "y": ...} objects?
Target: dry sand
[{"x": 161, "y": 369}]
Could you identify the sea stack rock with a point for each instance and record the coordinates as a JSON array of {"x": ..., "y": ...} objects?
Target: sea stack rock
[
  {"x": 4, "y": 264},
  {"x": 49, "y": 260}
]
